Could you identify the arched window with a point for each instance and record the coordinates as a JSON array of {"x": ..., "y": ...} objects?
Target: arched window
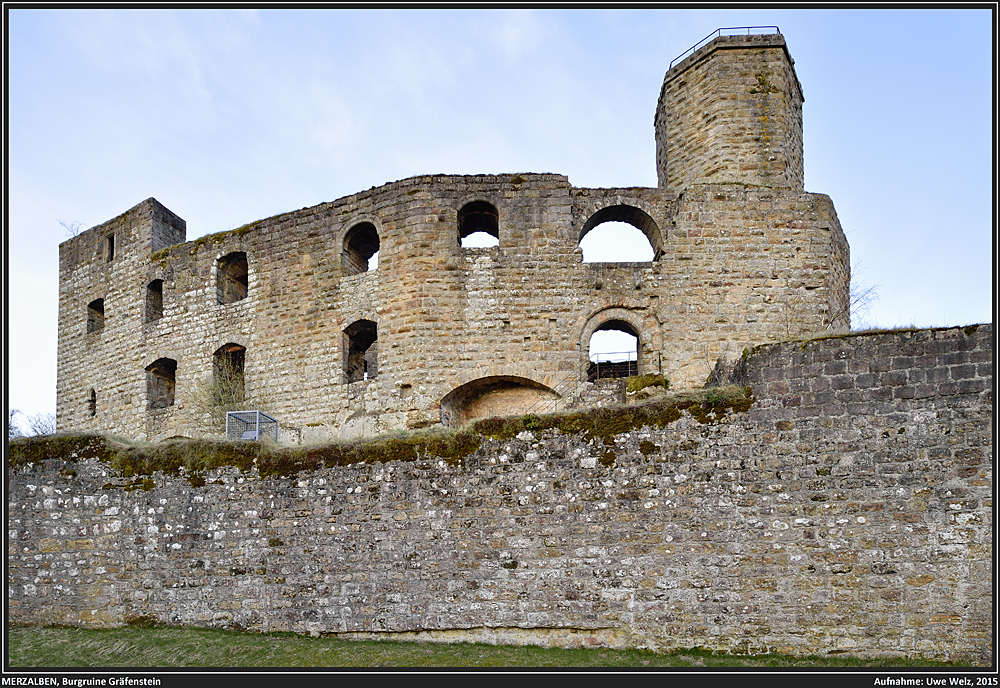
[
  {"x": 614, "y": 351},
  {"x": 160, "y": 376},
  {"x": 228, "y": 364},
  {"x": 154, "y": 301},
  {"x": 233, "y": 281},
  {"x": 95, "y": 315},
  {"x": 619, "y": 233},
  {"x": 361, "y": 351},
  {"x": 478, "y": 225},
  {"x": 361, "y": 246}
]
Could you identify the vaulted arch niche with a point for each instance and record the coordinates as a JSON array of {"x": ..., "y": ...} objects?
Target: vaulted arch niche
[
  {"x": 361, "y": 248},
  {"x": 494, "y": 396},
  {"x": 620, "y": 233},
  {"x": 478, "y": 225},
  {"x": 361, "y": 351},
  {"x": 613, "y": 351}
]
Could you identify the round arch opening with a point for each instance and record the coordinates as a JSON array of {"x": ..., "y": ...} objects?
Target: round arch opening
[
  {"x": 232, "y": 277},
  {"x": 613, "y": 351},
  {"x": 161, "y": 376},
  {"x": 361, "y": 249},
  {"x": 478, "y": 225},
  {"x": 620, "y": 234}
]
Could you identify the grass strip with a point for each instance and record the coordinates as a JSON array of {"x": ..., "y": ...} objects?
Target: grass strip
[{"x": 172, "y": 647}]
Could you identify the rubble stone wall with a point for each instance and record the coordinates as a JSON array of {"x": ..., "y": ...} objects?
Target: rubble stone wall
[{"x": 848, "y": 510}]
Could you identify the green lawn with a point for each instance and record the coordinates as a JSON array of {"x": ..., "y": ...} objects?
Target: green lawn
[{"x": 194, "y": 647}]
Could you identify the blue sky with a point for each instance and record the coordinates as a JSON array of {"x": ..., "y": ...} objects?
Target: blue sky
[{"x": 231, "y": 116}]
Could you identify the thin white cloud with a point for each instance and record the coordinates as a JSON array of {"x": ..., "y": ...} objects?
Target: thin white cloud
[{"x": 517, "y": 33}]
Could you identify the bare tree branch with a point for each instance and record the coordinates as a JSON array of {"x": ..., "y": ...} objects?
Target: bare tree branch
[
  {"x": 12, "y": 429},
  {"x": 42, "y": 424},
  {"x": 860, "y": 300},
  {"x": 38, "y": 424},
  {"x": 72, "y": 228},
  {"x": 863, "y": 297}
]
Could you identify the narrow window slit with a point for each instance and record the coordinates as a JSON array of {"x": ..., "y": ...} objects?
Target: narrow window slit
[{"x": 154, "y": 301}]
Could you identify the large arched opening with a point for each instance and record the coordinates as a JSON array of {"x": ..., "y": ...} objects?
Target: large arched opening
[
  {"x": 161, "y": 375},
  {"x": 495, "y": 396},
  {"x": 620, "y": 233},
  {"x": 233, "y": 275}
]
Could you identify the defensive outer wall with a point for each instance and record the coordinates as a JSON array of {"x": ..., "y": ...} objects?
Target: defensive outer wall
[
  {"x": 439, "y": 333},
  {"x": 847, "y": 509}
]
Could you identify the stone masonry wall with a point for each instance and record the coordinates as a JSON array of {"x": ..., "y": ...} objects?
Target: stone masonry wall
[
  {"x": 741, "y": 256},
  {"x": 848, "y": 510},
  {"x": 737, "y": 266}
]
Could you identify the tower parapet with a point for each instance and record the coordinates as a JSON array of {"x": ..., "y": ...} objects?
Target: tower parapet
[{"x": 731, "y": 112}]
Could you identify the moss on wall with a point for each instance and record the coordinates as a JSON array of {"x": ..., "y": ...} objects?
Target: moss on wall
[{"x": 136, "y": 462}]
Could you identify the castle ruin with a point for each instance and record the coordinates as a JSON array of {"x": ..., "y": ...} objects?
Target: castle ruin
[
  {"x": 287, "y": 308},
  {"x": 841, "y": 503}
]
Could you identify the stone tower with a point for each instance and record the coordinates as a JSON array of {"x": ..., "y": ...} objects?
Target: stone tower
[
  {"x": 103, "y": 295},
  {"x": 731, "y": 113}
]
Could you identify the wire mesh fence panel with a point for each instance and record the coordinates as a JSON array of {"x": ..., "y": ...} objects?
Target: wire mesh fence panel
[{"x": 250, "y": 425}]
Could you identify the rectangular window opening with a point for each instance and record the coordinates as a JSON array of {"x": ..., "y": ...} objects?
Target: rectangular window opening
[
  {"x": 95, "y": 316},
  {"x": 154, "y": 301}
]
